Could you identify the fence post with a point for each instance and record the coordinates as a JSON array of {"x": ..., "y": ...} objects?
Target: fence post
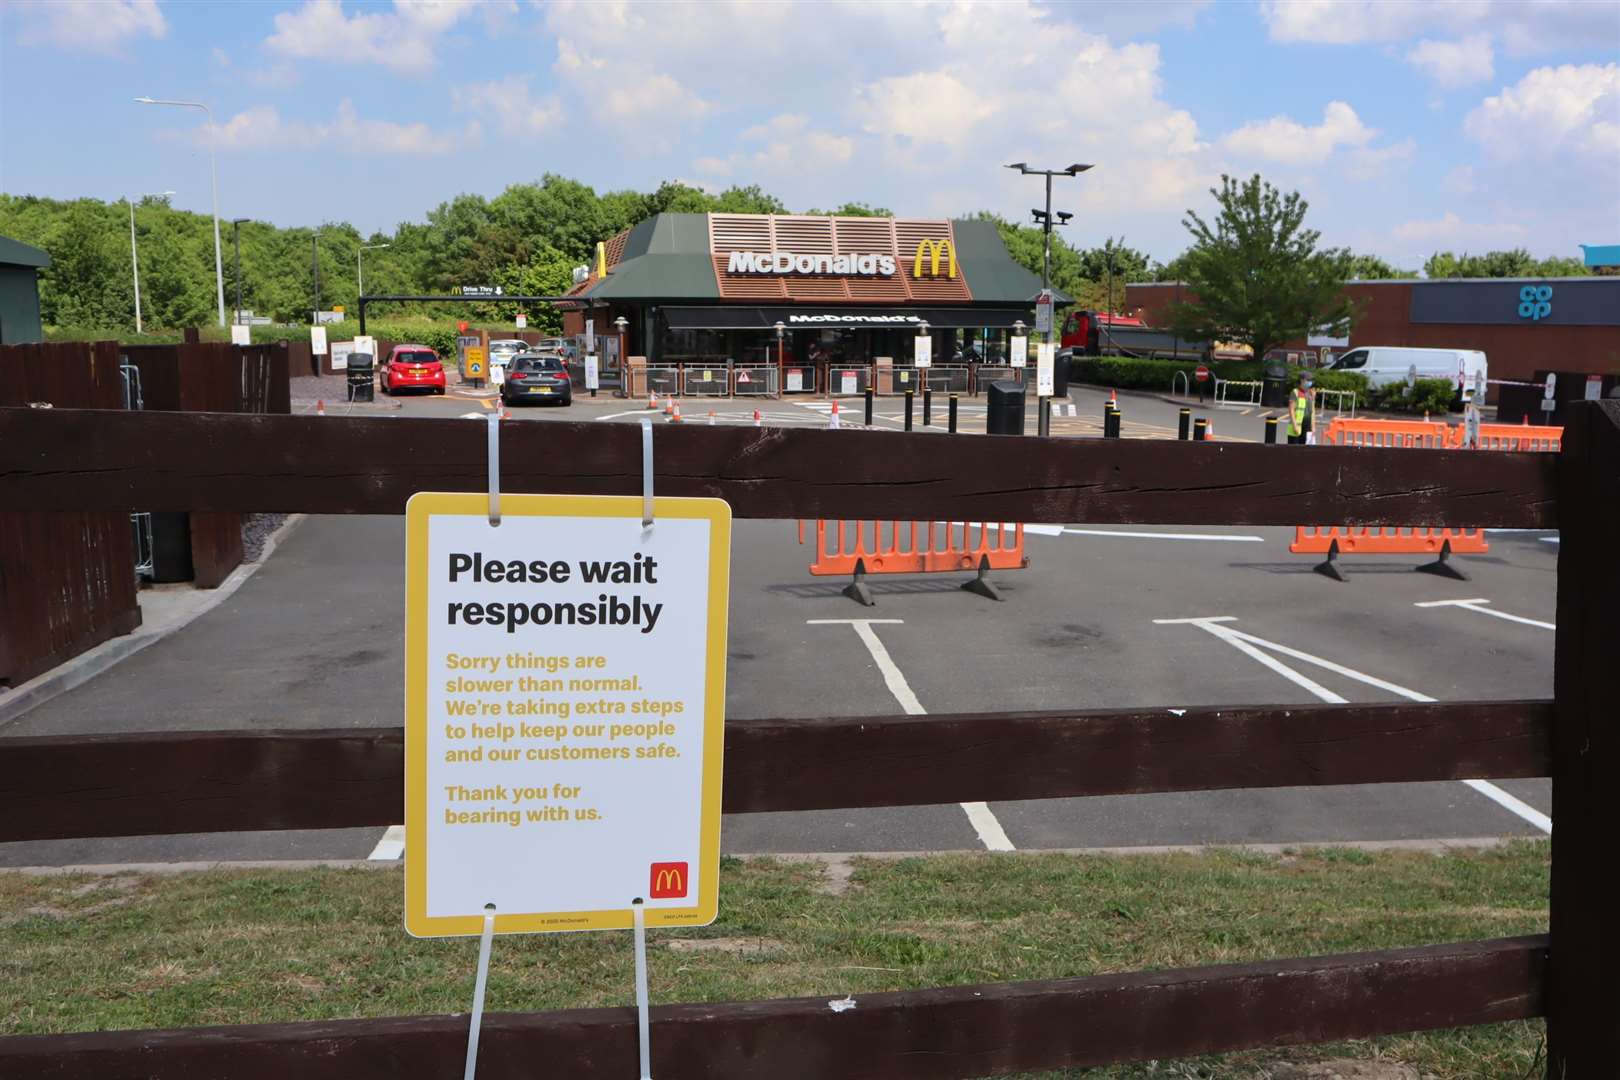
[
  {"x": 928, "y": 406},
  {"x": 951, "y": 417},
  {"x": 909, "y": 395},
  {"x": 868, "y": 420},
  {"x": 1583, "y": 992}
]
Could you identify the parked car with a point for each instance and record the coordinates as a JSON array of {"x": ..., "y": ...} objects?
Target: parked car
[
  {"x": 1385, "y": 365},
  {"x": 500, "y": 355},
  {"x": 533, "y": 376},
  {"x": 561, "y": 346},
  {"x": 411, "y": 367}
]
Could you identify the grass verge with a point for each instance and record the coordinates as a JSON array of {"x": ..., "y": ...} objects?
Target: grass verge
[{"x": 224, "y": 947}]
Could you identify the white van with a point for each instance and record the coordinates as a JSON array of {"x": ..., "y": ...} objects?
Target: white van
[{"x": 1387, "y": 364}]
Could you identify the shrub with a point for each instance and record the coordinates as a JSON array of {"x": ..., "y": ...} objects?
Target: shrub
[
  {"x": 1433, "y": 396},
  {"x": 1338, "y": 380},
  {"x": 1130, "y": 373}
]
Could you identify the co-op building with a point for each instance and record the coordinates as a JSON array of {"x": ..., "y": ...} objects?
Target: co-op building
[{"x": 801, "y": 294}]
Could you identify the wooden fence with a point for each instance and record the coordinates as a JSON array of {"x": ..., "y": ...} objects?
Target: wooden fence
[
  {"x": 67, "y": 581},
  {"x": 161, "y": 783}
]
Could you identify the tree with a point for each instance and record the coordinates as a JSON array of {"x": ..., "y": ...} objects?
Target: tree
[
  {"x": 853, "y": 209},
  {"x": 1372, "y": 268},
  {"x": 1256, "y": 275},
  {"x": 1501, "y": 264}
]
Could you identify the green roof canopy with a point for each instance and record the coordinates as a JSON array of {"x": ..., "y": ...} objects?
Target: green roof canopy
[{"x": 17, "y": 253}]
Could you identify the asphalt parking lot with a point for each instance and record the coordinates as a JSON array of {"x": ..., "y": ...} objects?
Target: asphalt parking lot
[{"x": 1103, "y": 617}]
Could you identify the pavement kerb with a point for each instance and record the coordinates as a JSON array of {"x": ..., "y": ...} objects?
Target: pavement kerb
[
  {"x": 838, "y": 863},
  {"x": 87, "y": 665},
  {"x": 1487, "y": 414}
]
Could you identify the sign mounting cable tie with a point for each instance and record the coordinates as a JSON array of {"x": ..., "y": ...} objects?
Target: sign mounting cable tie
[
  {"x": 646, "y": 474},
  {"x": 495, "y": 468},
  {"x": 636, "y": 909},
  {"x": 478, "y": 990}
]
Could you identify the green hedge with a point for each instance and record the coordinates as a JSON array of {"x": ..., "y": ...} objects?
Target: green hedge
[
  {"x": 1338, "y": 380},
  {"x": 1128, "y": 373},
  {"x": 1432, "y": 396}
]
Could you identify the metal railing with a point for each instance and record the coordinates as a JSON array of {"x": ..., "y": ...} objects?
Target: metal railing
[
  {"x": 848, "y": 380},
  {"x": 799, "y": 379},
  {"x": 1186, "y": 385},
  {"x": 1250, "y": 387},
  {"x": 706, "y": 380},
  {"x": 948, "y": 378},
  {"x": 1338, "y": 401},
  {"x": 756, "y": 380}
]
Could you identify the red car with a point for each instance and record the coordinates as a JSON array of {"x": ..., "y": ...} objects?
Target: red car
[{"x": 411, "y": 367}]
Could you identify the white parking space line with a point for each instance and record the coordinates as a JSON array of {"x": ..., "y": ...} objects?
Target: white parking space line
[
  {"x": 979, "y": 815},
  {"x": 1166, "y": 536},
  {"x": 391, "y": 846},
  {"x": 1478, "y": 605},
  {"x": 1250, "y": 646}
]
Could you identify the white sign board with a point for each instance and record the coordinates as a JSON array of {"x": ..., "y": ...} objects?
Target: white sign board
[
  {"x": 795, "y": 380},
  {"x": 1043, "y": 313},
  {"x": 849, "y": 382},
  {"x": 924, "y": 355},
  {"x": 241, "y": 335},
  {"x": 340, "y": 355},
  {"x": 1594, "y": 388},
  {"x": 1552, "y": 382},
  {"x": 1018, "y": 351},
  {"x": 590, "y": 335},
  {"x": 368, "y": 345},
  {"x": 521, "y": 321},
  {"x": 317, "y": 340},
  {"x": 1045, "y": 354},
  {"x": 564, "y": 711},
  {"x": 593, "y": 372}
]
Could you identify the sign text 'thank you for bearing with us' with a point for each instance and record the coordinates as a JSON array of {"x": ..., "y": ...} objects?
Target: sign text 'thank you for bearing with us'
[{"x": 564, "y": 701}]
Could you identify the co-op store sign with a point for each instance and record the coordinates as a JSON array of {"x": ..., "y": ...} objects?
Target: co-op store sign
[{"x": 934, "y": 258}]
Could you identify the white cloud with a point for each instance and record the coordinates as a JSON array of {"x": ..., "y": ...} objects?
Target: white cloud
[
  {"x": 1574, "y": 109},
  {"x": 649, "y": 99},
  {"x": 785, "y": 143},
  {"x": 405, "y": 39},
  {"x": 715, "y": 166},
  {"x": 925, "y": 107},
  {"x": 1288, "y": 142},
  {"x": 1459, "y": 181},
  {"x": 261, "y": 128},
  {"x": 1451, "y": 230},
  {"x": 1523, "y": 27},
  {"x": 220, "y": 57},
  {"x": 508, "y": 104},
  {"x": 96, "y": 26},
  {"x": 1369, "y": 163},
  {"x": 1455, "y": 63}
]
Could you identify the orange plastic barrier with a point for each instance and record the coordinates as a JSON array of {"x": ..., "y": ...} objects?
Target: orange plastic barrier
[
  {"x": 1390, "y": 433},
  {"x": 1513, "y": 437},
  {"x": 915, "y": 547}
]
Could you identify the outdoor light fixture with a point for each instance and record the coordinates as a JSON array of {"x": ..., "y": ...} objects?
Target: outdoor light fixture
[
  {"x": 213, "y": 171},
  {"x": 1074, "y": 170},
  {"x": 922, "y": 328},
  {"x": 621, "y": 322},
  {"x": 781, "y": 328}
]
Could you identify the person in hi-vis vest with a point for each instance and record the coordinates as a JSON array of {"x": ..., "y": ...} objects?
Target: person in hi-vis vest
[{"x": 1300, "y": 409}]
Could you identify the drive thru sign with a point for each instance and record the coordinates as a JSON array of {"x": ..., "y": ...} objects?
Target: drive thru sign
[{"x": 564, "y": 711}]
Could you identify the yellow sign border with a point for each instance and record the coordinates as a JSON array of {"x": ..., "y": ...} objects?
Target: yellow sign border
[{"x": 418, "y": 510}]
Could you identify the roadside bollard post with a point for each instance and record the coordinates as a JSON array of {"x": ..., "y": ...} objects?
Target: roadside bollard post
[
  {"x": 1271, "y": 430},
  {"x": 1111, "y": 424},
  {"x": 1043, "y": 417},
  {"x": 928, "y": 406},
  {"x": 951, "y": 416},
  {"x": 868, "y": 406},
  {"x": 909, "y": 395},
  {"x": 1200, "y": 429},
  {"x": 1186, "y": 424}
]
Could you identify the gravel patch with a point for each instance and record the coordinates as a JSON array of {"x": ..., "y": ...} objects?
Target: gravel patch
[{"x": 256, "y": 530}]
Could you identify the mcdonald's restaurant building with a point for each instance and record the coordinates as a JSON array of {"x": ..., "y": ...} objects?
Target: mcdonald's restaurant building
[{"x": 803, "y": 294}]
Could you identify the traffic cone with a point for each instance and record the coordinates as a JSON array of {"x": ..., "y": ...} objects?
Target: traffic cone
[
  {"x": 756, "y": 418},
  {"x": 711, "y": 418},
  {"x": 1113, "y": 399},
  {"x": 652, "y": 400},
  {"x": 669, "y": 406},
  {"x": 506, "y": 414},
  {"x": 1524, "y": 421},
  {"x": 832, "y": 420},
  {"x": 1209, "y": 431},
  {"x": 320, "y": 408},
  {"x": 675, "y": 415}
]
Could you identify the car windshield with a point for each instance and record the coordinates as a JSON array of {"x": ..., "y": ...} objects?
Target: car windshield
[
  {"x": 415, "y": 358},
  {"x": 538, "y": 363},
  {"x": 506, "y": 347}
]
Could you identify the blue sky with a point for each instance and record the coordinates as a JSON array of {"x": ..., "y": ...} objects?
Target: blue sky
[{"x": 1410, "y": 126}]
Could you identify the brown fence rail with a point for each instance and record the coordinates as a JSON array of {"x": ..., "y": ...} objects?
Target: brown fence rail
[
  {"x": 67, "y": 460},
  {"x": 166, "y": 782}
]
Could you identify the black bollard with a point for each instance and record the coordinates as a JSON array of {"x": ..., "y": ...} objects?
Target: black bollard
[
  {"x": 868, "y": 406},
  {"x": 1111, "y": 424},
  {"x": 951, "y": 416},
  {"x": 1186, "y": 424},
  {"x": 1200, "y": 429},
  {"x": 909, "y": 395},
  {"x": 1043, "y": 417},
  {"x": 1271, "y": 430},
  {"x": 928, "y": 406}
]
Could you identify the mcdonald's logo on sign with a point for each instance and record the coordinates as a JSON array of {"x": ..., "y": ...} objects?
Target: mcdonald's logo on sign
[
  {"x": 668, "y": 880},
  {"x": 932, "y": 250}
]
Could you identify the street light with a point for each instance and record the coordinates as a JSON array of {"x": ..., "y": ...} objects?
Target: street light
[
  {"x": 236, "y": 229},
  {"x": 359, "y": 272},
  {"x": 213, "y": 170},
  {"x": 1045, "y": 219},
  {"x": 134, "y": 258}
]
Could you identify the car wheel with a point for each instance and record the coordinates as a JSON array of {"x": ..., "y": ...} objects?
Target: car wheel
[{"x": 438, "y": 389}]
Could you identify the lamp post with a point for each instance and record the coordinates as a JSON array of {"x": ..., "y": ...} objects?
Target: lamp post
[
  {"x": 359, "y": 271},
  {"x": 134, "y": 257},
  {"x": 315, "y": 269},
  {"x": 621, "y": 324},
  {"x": 213, "y": 170},
  {"x": 1045, "y": 219},
  {"x": 236, "y": 241},
  {"x": 781, "y": 354}
]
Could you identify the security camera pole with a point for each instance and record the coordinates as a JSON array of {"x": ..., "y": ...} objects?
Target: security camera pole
[{"x": 1044, "y": 309}]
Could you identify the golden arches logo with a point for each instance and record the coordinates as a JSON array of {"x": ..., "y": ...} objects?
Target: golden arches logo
[
  {"x": 668, "y": 880},
  {"x": 932, "y": 250}
]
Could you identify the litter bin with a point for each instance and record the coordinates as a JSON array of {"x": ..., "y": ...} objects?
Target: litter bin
[
  {"x": 1274, "y": 386},
  {"x": 171, "y": 547},
  {"x": 361, "y": 386},
  {"x": 1060, "y": 372},
  {"x": 1004, "y": 413}
]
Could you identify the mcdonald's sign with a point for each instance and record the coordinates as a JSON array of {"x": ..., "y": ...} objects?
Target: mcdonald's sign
[
  {"x": 668, "y": 880},
  {"x": 932, "y": 250}
]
